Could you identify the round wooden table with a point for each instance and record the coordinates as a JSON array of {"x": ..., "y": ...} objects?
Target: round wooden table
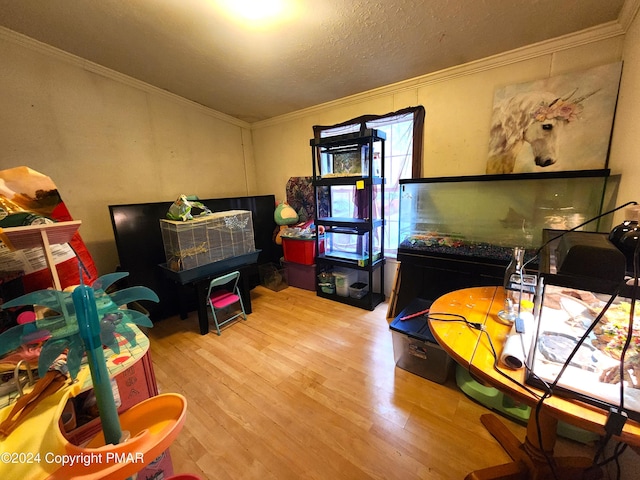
[{"x": 470, "y": 347}]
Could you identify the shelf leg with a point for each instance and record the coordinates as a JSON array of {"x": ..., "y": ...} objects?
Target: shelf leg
[{"x": 50, "y": 263}]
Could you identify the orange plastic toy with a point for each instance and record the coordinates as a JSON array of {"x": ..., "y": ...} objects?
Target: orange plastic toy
[{"x": 152, "y": 424}]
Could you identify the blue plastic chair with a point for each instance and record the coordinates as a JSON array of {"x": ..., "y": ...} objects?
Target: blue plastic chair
[{"x": 220, "y": 298}]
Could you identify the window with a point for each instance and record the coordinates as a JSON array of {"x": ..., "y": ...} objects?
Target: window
[{"x": 403, "y": 159}]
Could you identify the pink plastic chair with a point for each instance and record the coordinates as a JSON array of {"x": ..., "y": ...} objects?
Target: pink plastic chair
[{"x": 225, "y": 297}]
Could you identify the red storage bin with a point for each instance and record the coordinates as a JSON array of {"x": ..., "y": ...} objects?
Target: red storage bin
[{"x": 299, "y": 250}]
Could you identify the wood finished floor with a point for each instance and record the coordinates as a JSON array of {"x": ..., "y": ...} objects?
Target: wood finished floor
[{"x": 307, "y": 388}]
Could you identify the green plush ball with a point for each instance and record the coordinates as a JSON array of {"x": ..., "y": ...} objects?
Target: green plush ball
[{"x": 285, "y": 214}]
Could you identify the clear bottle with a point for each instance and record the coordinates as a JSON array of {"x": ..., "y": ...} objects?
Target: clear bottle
[{"x": 512, "y": 291}]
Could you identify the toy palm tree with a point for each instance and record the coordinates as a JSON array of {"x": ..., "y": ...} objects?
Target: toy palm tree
[{"x": 82, "y": 322}]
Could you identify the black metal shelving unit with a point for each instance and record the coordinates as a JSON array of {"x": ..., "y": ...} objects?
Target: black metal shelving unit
[{"x": 366, "y": 175}]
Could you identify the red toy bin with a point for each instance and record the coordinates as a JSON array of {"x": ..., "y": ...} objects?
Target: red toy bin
[{"x": 301, "y": 250}]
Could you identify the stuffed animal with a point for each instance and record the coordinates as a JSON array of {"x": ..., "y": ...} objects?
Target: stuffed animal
[{"x": 284, "y": 216}]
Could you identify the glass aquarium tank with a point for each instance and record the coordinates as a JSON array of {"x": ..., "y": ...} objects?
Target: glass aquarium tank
[
  {"x": 349, "y": 155},
  {"x": 488, "y": 215},
  {"x": 352, "y": 245}
]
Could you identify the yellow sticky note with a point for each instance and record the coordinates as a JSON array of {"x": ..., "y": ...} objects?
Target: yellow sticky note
[
  {"x": 527, "y": 304},
  {"x": 360, "y": 185}
]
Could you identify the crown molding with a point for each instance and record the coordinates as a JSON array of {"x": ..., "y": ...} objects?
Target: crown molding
[
  {"x": 612, "y": 29},
  {"x": 45, "y": 49},
  {"x": 601, "y": 32},
  {"x": 628, "y": 12}
]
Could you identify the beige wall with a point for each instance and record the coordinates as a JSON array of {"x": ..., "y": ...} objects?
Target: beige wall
[
  {"x": 105, "y": 139},
  {"x": 458, "y": 105},
  {"x": 625, "y": 144}
]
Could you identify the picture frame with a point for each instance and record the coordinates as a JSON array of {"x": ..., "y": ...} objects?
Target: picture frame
[{"x": 559, "y": 123}]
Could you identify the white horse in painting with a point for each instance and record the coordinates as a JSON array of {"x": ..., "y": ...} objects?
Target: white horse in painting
[{"x": 535, "y": 118}]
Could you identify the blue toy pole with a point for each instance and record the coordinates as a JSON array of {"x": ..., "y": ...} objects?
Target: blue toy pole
[{"x": 89, "y": 326}]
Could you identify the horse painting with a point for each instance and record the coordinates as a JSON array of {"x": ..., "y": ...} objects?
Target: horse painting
[{"x": 536, "y": 118}]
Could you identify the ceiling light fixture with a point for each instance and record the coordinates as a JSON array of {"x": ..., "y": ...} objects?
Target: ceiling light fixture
[{"x": 255, "y": 11}]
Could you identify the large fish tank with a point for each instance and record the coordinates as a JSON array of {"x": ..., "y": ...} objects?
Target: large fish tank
[{"x": 485, "y": 216}]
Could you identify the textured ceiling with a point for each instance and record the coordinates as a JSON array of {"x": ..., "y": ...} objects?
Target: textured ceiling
[{"x": 324, "y": 50}]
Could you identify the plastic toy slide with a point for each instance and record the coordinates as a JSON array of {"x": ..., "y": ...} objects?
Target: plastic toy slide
[{"x": 37, "y": 449}]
